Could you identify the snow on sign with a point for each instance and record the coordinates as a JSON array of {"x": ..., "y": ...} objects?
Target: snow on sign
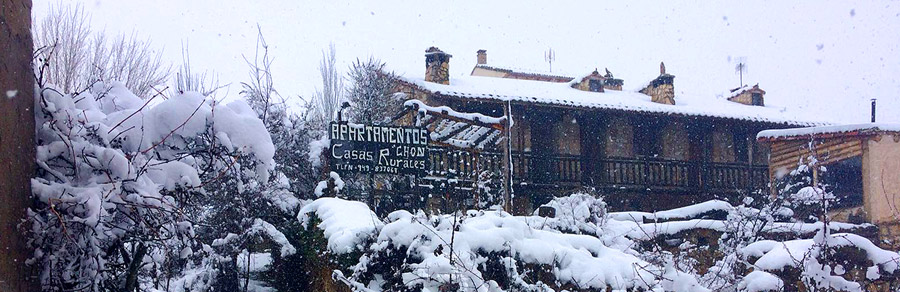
[{"x": 377, "y": 149}]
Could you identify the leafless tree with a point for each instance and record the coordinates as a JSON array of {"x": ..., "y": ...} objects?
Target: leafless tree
[
  {"x": 188, "y": 80},
  {"x": 132, "y": 61},
  {"x": 62, "y": 40},
  {"x": 76, "y": 57},
  {"x": 260, "y": 91},
  {"x": 326, "y": 101}
]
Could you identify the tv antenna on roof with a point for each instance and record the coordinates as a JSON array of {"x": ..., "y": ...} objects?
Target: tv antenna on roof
[
  {"x": 549, "y": 57},
  {"x": 740, "y": 68}
]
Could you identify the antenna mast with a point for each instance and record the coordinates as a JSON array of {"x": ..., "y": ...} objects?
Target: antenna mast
[
  {"x": 740, "y": 68},
  {"x": 549, "y": 57}
]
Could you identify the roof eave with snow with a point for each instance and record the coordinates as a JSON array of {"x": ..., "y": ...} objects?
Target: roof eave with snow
[
  {"x": 489, "y": 89},
  {"x": 831, "y": 131}
]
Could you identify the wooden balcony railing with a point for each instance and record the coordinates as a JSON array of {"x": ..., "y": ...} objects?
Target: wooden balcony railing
[{"x": 604, "y": 172}]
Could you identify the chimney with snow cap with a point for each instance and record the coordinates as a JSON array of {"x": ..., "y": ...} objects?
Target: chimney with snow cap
[
  {"x": 482, "y": 57},
  {"x": 437, "y": 66},
  {"x": 662, "y": 89},
  {"x": 597, "y": 82}
]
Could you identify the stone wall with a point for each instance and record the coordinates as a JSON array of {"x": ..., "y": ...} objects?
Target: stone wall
[
  {"x": 674, "y": 141},
  {"x": 16, "y": 139},
  {"x": 744, "y": 97},
  {"x": 660, "y": 93},
  {"x": 620, "y": 138},
  {"x": 722, "y": 145},
  {"x": 568, "y": 139},
  {"x": 881, "y": 179}
]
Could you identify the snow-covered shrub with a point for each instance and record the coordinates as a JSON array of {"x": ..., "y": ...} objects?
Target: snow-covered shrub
[
  {"x": 798, "y": 191},
  {"x": 495, "y": 251},
  {"x": 328, "y": 234},
  {"x": 579, "y": 213},
  {"x": 346, "y": 224},
  {"x": 743, "y": 225},
  {"x": 830, "y": 262},
  {"x": 127, "y": 189}
]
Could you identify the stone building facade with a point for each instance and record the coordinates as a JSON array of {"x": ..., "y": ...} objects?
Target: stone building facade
[{"x": 569, "y": 133}]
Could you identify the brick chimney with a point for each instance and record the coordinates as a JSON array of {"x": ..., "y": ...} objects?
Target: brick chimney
[
  {"x": 662, "y": 89},
  {"x": 437, "y": 66},
  {"x": 482, "y": 57}
]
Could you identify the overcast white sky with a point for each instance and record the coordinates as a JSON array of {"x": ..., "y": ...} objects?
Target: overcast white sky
[{"x": 825, "y": 57}]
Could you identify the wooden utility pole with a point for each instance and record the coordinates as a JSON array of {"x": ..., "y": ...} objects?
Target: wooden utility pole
[
  {"x": 506, "y": 160},
  {"x": 16, "y": 141}
]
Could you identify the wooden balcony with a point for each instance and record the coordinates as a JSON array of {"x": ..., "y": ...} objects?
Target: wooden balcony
[{"x": 604, "y": 173}]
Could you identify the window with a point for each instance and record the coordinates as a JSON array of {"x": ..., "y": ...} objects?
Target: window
[
  {"x": 844, "y": 180},
  {"x": 756, "y": 99},
  {"x": 595, "y": 85}
]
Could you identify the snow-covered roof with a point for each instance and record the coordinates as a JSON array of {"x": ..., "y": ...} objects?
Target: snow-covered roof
[
  {"x": 561, "y": 94},
  {"x": 834, "y": 130},
  {"x": 521, "y": 71}
]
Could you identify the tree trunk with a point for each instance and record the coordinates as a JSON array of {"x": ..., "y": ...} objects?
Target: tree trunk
[
  {"x": 134, "y": 267},
  {"x": 16, "y": 141}
]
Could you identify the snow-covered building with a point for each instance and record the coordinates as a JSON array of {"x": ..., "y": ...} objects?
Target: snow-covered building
[
  {"x": 861, "y": 163},
  {"x": 651, "y": 148}
]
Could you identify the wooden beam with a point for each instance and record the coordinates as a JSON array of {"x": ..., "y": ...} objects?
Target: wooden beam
[
  {"x": 824, "y": 152},
  {"x": 453, "y": 132},
  {"x": 446, "y": 115}
]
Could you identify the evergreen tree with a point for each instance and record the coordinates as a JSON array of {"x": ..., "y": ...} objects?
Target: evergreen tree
[{"x": 371, "y": 93}]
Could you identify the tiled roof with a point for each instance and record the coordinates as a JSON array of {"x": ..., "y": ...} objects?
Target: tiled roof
[{"x": 561, "y": 94}]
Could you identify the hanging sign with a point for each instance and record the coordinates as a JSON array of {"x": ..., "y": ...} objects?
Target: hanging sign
[{"x": 377, "y": 149}]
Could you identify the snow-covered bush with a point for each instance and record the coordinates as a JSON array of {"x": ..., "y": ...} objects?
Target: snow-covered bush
[
  {"x": 829, "y": 262},
  {"x": 579, "y": 213},
  {"x": 798, "y": 190},
  {"x": 742, "y": 226},
  {"x": 479, "y": 251},
  {"x": 583, "y": 247},
  {"x": 127, "y": 189}
]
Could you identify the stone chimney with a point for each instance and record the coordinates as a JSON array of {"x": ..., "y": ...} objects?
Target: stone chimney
[
  {"x": 662, "y": 89},
  {"x": 437, "y": 66},
  {"x": 593, "y": 82},
  {"x": 482, "y": 57},
  {"x": 598, "y": 83},
  {"x": 749, "y": 96},
  {"x": 612, "y": 83}
]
